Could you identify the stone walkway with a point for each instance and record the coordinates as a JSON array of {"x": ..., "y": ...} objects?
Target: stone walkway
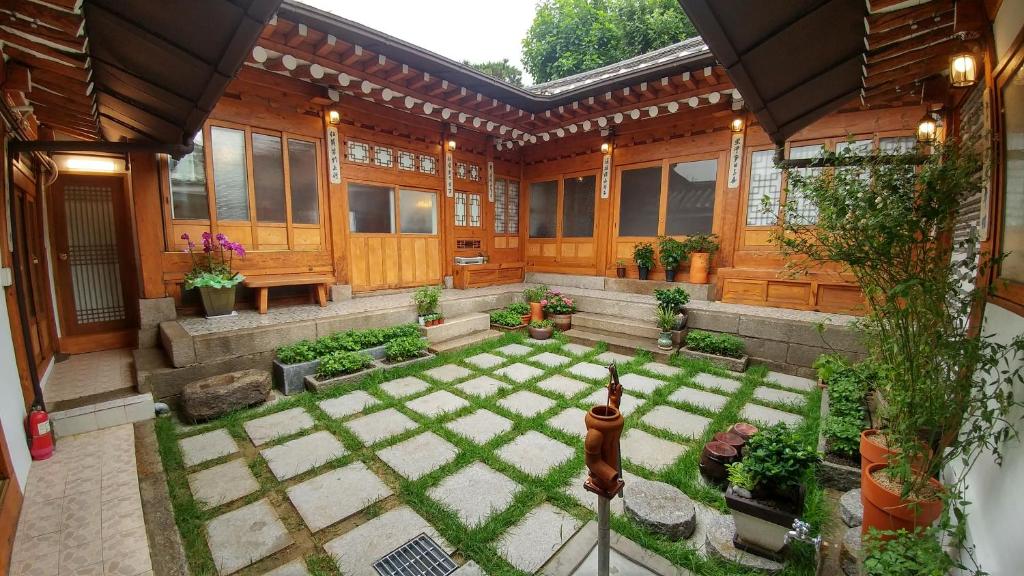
[
  {"x": 82, "y": 514},
  {"x": 485, "y": 450}
]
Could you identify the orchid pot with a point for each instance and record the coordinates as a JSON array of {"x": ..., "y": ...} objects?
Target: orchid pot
[{"x": 211, "y": 272}]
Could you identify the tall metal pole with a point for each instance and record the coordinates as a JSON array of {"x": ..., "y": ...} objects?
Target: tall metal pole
[{"x": 603, "y": 537}]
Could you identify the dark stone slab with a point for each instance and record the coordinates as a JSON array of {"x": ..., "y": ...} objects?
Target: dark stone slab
[{"x": 217, "y": 395}]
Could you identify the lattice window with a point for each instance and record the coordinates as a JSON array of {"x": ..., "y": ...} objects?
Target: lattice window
[
  {"x": 357, "y": 152},
  {"x": 406, "y": 161},
  {"x": 467, "y": 244},
  {"x": 383, "y": 156},
  {"x": 461, "y": 170},
  {"x": 806, "y": 212},
  {"x": 513, "y": 207},
  {"x": 474, "y": 172},
  {"x": 460, "y": 208},
  {"x": 897, "y": 144},
  {"x": 93, "y": 254},
  {"x": 765, "y": 181},
  {"x": 499, "y": 206},
  {"x": 474, "y": 210},
  {"x": 428, "y": 164}
]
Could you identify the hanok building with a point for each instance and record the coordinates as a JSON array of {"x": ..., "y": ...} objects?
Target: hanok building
[{"x": 343, "y": 157}]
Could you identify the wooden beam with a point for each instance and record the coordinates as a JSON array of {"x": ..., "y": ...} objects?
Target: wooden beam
[
  {"x": 401, "y": 74},
  {"x": 353, "y": 55},
  {"x": 920, "y": 69},
  {"x": 298, "y": 35},
  {"x": 72, "y": 24},
  {"x": 910, "y": 57},
  {"x": 72, "y": 59},
  {"x": 380, "y": 62},
  {"x": 419, "y": 81},
  {"x": 327, "y": 45},
  {"x": 75, "y": 73},
  {"x": 879, "y": 40},
  {"x": 930, "y": 38},
  {"x": 32, "y": 28},
  {"x": 877, "y": 23},
  {"x": 16, "y": 77},
  {"x": 60, "y": 83}
]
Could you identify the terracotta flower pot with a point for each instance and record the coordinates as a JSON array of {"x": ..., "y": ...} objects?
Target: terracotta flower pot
[
  {"x": 526, "y": 318},
  {"x": 870, "y": 452},
  {"x": 620, "y": 272},
  {"x": 562, "y": 321},
  {"x": 734, "y": 440},
  {"x": 699, "y": 267},
  {"x": 217, "y": 301},
  {"x": 540, "y": 333},
  {"x": 885, "y": 510},
  {"x": 536, "y": 311}
]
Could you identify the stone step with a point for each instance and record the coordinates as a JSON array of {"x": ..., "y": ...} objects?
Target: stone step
[
  {"x": 616, "y": 325},
  {"x": 612, "y": 306},
  {"x": 155, "y": 374},
  {"x": 618, "y": 342},
  {"x": 100, "y": 415},
  {"x": 456, "y": 327},
  {"x": 456, "y": 344}
]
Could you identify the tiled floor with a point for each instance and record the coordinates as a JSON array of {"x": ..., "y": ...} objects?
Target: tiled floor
[
  {"x": 89, "y": 374},
  {"x": 82, "y": 514}
]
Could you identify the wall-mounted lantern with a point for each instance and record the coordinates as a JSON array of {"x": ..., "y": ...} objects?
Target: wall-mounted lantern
[
  {"x": 926, "y": 129},
  {"x": 963, "y": 70},
  {"x": 333, "y": 117},
  {"x": 736, "y": 125}
]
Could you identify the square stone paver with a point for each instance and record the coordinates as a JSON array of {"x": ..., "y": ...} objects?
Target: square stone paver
[
  {"x": 284, "y": 423},
  {"x": 569, "y": 421},
  {"x": 535, "y": 453},
  {"x": 550, "y": 359},
  {"x": 563, "y": 385},
  {"x": 577, "y": 349},
  {"x": 448, "y": 373},
  {"x": 403, "y": 387},
  {"x": 769, "y": 416},
  {"x": 485, "y": 360},
  {"x": 356, "y": 550},
  {"x": 475, "y": 493},
  {"x": 349, "y": 404},
  {"x": 207, "y": 446},
  {"x": 336, "y": 495},
  {"x": 297, "y": 456},
  {"x": 437, "y": 403},
  {"x": 662, "y": 369},
  {"x": 481, "y": 386},
  {"x": 627, "y": 404},
  {"x": 296, "y": 567},
  {"x": 519, "y": 372},
  {"x": 222, "y": 483},
  {"x": 791, "y": 382},
  {"x": 514, "y": 350},
  {"x": 419, "y": 455},
  {"x": 609, "y": 357},
  {"x": 533, "y": 540},
  {"x": 378, "y": 426},
  {"x": 246, "y": 535},
  {"x": 706, "y": 380},
  {"x": 590, "y": 371},
  {"x": 699, "y": 398},
  {"x": 526, "y": 403},
  {"x": 676, "y": 421},
  {"x": 780, "y": 396},
  {"x": 640, "y": 384},
  {"x": 480, "y": 426},
  {"x": 649, "y": 451}
]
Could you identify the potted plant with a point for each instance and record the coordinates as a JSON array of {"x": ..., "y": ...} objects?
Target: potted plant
[
  {"x": 522, "y": 309},
  {"x": 766, "y": 492},
  {"x": 620, "y": 268},
  {"x": 338, "y": 368},
  {"x": 666, "y": 322},
  {"x": 211, "y": 272},
  {"x": 559, "y": 308},
  {"x": 643, "y": 255},
  {"x": 541, "y": 329},
  {"x": 426, "y": 299},
  {"x": 724, "y": 350},
  {"x": 405, "y": 350},
  {"x": 506, "y": 320},
  {"x": 292, "y": 364},
  {"x": 534, "y": 295},
  {"x": 670, "y": 253},
  {"x": 675, "y": 300},
  {"x": 700, "y": 247},
  {"x": 947, "y": 388}
]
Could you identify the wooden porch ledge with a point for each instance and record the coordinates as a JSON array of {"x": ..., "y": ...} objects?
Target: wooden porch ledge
[{"x": 263, "y": 284}]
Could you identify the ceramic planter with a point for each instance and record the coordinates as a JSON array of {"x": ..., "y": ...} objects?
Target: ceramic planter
[
  {"x": 714, "y": 458},
  {"x": 620, "y": 272},
  {"x": 886, "y": 510},
  {"x": 670, "y": 274},
  {"x": 761, "y": 527},
  {"x": 665, "y": 340},
  {"x": 642, "y": 272},
  {"x": 562, "y": 321},
  {"x": 677, "y": 338},
  {"x": 291, "y": 378},
  {"x": 526, "y": 318},
  {"x": 536, "y": 312},
  {"x": 315, "y": 383},
  {"x": 217, "y": 301},
  {"x": 699, "y": 267},
  {"x": 422, "y": 357},
  {"x": 540, "y": 333}
]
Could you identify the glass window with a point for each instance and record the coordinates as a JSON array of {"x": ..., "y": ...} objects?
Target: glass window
[
  {"x": 188, "y": 184},
  {"x": 765, "y": 181},
  {"x": 513, "y": 207},
  {"x": 578, "y": 206},
  {"x": 461, "y": 200},
  {"x": 691, "y": 197},
  {"x": 268, "y": 177},
  {"x": 230, "y": 179},
  {"x": 474, "y": 210},
  {"x": 371, "y": 209},
  {"x": 417, "y": 212},
  {"x": 543, "y": 209},
  {"x": 302, "y": 177},
  {"x": 499, "y": 206},
  {"x": 1012, "y": 268},
  {"x": 897, "y": 144},
  {"x": 806, "y": 212},
  {"x": 640, "y": 202}
]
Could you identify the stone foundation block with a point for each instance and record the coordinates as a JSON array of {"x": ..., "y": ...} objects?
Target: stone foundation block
[
  {"x": 177, "y": 343},
  {"x": 566, "y": 280},
  {"x": 713, "y": 321},
  {"x": 210, "y": 347},
  {"x": 212, "y": 397},
  {"x": 341, "y": 292}
]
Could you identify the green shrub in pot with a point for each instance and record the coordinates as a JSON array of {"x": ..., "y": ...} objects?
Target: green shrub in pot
[
  {"x": 302, "y": 351},
  {"x": 520, "y": 308},
  {"x": 506, "y": 318},
  {"x": 404, "y": 348},
  {"x": 339, "y": 363},
  {"x": 717, "y": 344}
]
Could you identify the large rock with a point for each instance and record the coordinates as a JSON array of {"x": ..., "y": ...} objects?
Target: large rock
[
  {"x": 660, "y": 508},
  {"x": 217, "y": 395},
  {"x": 850, "y": 555},
  {"x": 851, "y": 509}
]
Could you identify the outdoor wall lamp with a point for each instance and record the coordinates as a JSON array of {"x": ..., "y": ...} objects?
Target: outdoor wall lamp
[
  {"x": 736, "y": 125},
  {"x": 926, "y": 129},
  {"x": 333, "y": 117},
  {"x": 451, "y": 144},
  {"x": 963, "y": 70},
  {"x": 606, "y": 147}
]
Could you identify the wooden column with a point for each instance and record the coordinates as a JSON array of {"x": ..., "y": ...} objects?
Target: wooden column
[{"x": 149, "y": 223}]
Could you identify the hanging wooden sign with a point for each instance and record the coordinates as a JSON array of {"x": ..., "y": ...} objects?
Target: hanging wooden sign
[
  {"x": 449, "y": 175},
  {"x": 735, "y": 159},
  {"x": 334, "y": 154},
  {"x": 606, "y": 175},
  {"x": 490, "y": 181}
]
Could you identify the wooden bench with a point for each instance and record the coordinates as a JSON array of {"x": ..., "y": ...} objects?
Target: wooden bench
[{"x": 263, "y": 284}]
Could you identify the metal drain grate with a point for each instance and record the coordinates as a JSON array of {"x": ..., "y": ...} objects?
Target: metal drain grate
[{"x": 420, "y": 556}]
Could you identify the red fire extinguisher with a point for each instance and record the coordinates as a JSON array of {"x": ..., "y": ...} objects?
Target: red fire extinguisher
[{"x": 39, "y": 433}]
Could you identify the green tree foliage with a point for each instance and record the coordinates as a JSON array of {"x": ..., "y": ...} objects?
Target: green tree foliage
[
  {"x": 501, "y": 69},
  {"x": 572, "y": 36}
]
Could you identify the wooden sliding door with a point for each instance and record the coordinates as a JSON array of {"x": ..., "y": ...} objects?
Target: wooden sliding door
[{"x": 562, "y": 223}]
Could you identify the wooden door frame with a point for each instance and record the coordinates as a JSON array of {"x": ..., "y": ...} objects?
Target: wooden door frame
[
  {"x": 92, "y": 341},
  {"x": 11, "y": 500}
]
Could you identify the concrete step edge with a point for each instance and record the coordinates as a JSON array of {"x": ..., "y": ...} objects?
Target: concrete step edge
[{"x": 631, "y": 326}]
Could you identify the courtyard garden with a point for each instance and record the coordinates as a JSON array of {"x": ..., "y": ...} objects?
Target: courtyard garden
[{"x": 480, "y": 449}]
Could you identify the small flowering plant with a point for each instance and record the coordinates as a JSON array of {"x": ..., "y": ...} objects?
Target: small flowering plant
[
  {"x": 211, "y": 267},
  {"x": 555, "y": 303}
]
